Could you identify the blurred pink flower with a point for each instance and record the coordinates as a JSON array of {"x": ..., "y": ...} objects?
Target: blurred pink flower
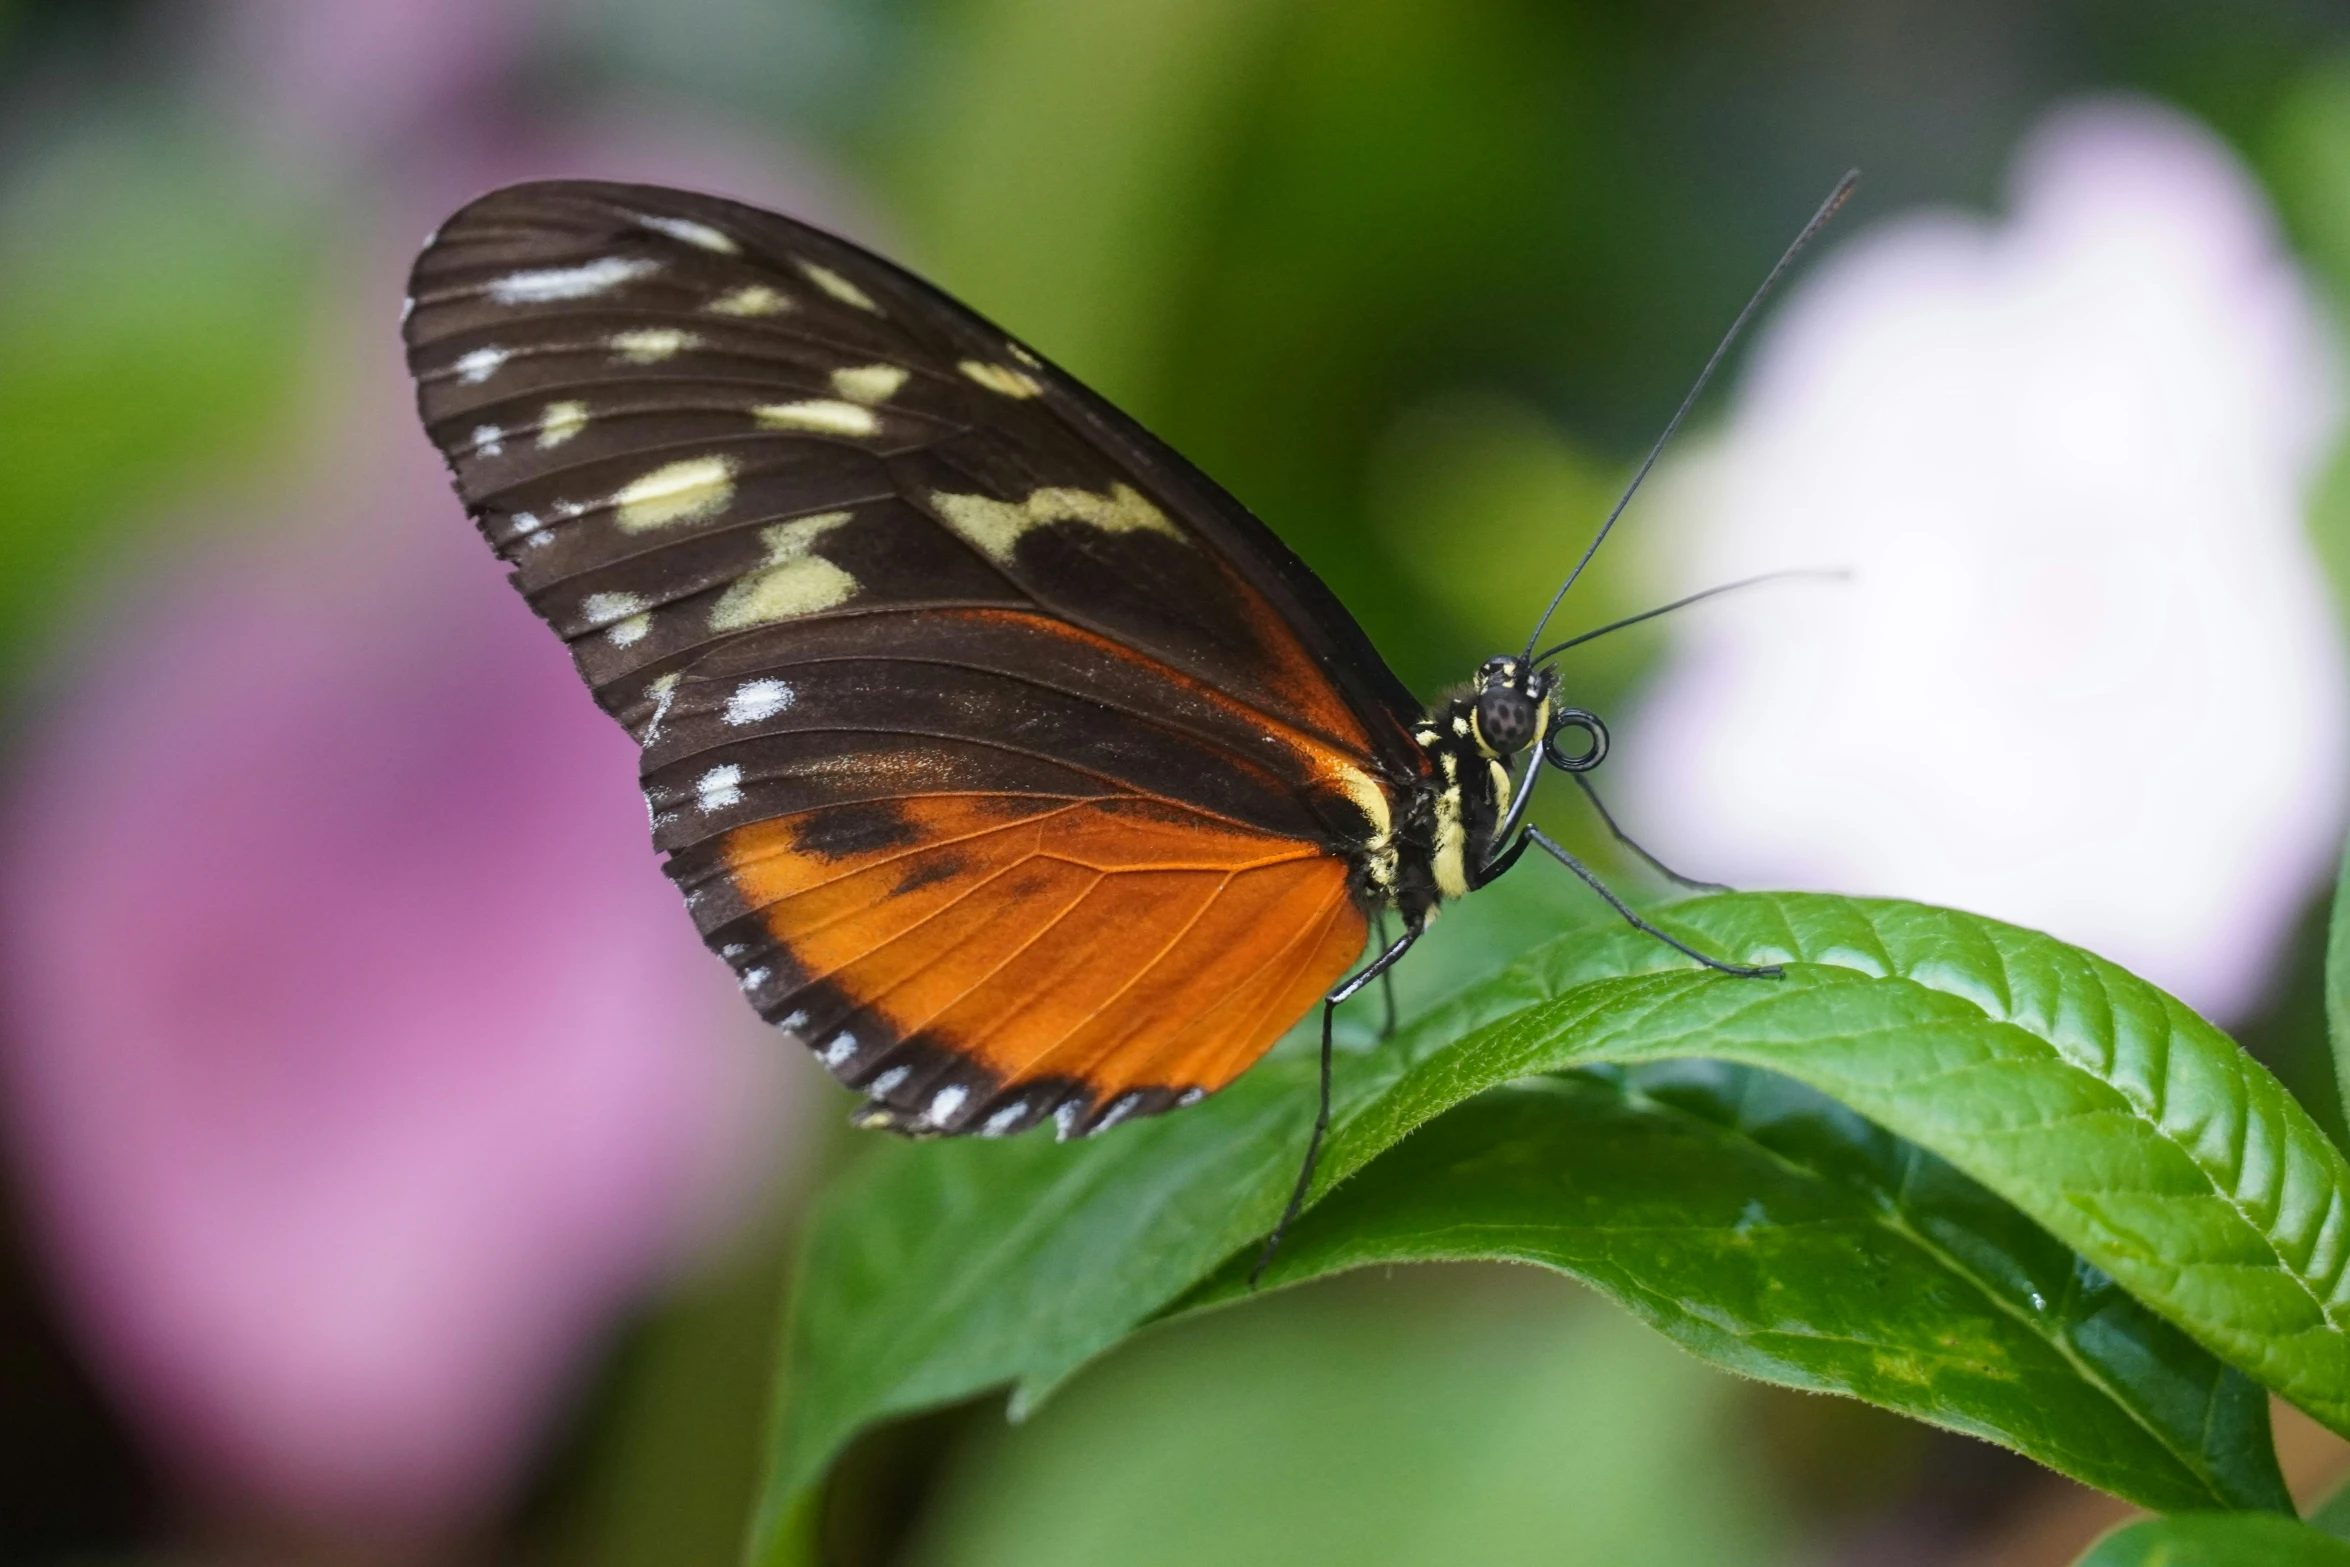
[
  {"x": 2088, "y": 676},
  {"x": 362, "y": 1063}
]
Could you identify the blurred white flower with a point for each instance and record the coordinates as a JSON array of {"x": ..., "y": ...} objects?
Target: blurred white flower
[{"x": 2087, "y": 676}]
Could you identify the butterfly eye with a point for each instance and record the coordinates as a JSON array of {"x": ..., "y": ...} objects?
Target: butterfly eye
[{"x": 1505, "y": 719}]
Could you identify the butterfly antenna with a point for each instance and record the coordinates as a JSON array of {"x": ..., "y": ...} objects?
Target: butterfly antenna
[
  {"x": 1819, "y": 219},
  {"x": 1580, "y": 638}
]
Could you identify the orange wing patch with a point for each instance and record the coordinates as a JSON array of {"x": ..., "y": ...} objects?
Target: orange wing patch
[{"x": 982, "y": 961}]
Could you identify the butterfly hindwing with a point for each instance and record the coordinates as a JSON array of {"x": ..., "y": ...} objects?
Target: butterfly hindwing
[{"x": 1012, "y": 765}]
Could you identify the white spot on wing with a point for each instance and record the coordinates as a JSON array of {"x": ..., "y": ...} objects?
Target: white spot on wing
[
  {"x": 1065, "y": 1116},
  {"x": 888, "y": 1080},
  {"x": 663, "y": 692},
  {"x": 799, "y": 1020},
  {"x": 792, "y": 582},
  {"x": 692, "y": 233},
  {"x": 585, "y": 281},
  {"x": 839, "y": 287},
  {"x": 525, "y": 524},
  {"x": 1190, "y": 1096},
  {"x": 1000, "y": 379},
  {"x": 559, "y": 422},
  {"x": 1005, "y": 1119},
  {"x": 752, "y": 979},
  {"x": 842, "y": 1049},
  {"x": 719, "y": 788},
  {"x": 621, "y": 614},
  {"x": 755, "y": 700},
  {"x": 649, "y": 345},
  {"x": 1120, "y": 1109},
  {"x": 821, "y": 416},
  {"x": 479, "y": 365},
  {"x": 488, "y": 440},
  {"x": 869, "y": 383},
  {"x": 752, "y": 299},
  {"x": 945, "y": 1103},
  {"x": 995, "y": 527},
  {"x": 682, "y": 491}
]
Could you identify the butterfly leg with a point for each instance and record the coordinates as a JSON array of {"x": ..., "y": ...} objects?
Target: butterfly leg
[
  {"x": 1559, "y": 853},
  {"x": 1347, "y": 988},
  {"x": 1386, "y": 980},
  {"x": 1625, "y": 838}
]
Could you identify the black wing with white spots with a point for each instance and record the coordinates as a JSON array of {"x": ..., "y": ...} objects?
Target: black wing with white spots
[{"x": 1012, "y": 764}]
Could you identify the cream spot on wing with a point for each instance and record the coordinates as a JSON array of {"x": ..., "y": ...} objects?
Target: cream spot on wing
[
  {"x": 821, "y": 416},
  {"x": 839, "y": 287},
  {"x": 488, "y": 440},
  {"x": 756, "y": 700},
  {"x": 682, "y": 491},
  {"x": 869, "y": 383},
  {"x": 663, "y": 692},
  {"x": 622, "y": 615},
  {"x": 792, "y": 582},
  {"x": 561, "y": 421},
  {"x": 752, "y": 299},
  {"x": 692, "y": 233},
  {"x": 1001, "y": 379},
  {"x": 1024, "y": 356},
  {"x": 719, "y": 788},
  {"x": 585, "y": 281},
  {"x": 482, "y": 363},
  {"x": 649, "y": 345},
  {"x": 995, "y": 527}
]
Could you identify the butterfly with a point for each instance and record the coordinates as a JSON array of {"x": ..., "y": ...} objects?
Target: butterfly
[{"x": 1016, "y": 769}]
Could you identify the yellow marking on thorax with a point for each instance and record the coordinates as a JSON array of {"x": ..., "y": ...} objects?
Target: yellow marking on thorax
[
  {"x": 996, "y": 527},
  {"x": 792, "y": 582},
  {"x": 682, "y": 491},
  {"x": 1452, "y": 835}
]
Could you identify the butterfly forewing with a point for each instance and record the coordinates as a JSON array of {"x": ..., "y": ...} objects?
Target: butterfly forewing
[{"x": 1013, "y": 766}]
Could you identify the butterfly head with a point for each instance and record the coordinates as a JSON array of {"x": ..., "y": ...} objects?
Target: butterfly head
[{"x": 1512, "y": 706}]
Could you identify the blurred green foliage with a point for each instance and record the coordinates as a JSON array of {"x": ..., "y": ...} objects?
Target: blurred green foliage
[
  {"x": 150, "y": 343},
  {"x": 1471, "y": 1418}
]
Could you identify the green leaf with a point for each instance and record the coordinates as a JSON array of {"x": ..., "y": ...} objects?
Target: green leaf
[
  {"x": 1768, "y": 1230},
  {"x": 2338, "y": 983},
  {"x": 2217, "y": 1540},
  {"x": 2129, "y": 1129}
]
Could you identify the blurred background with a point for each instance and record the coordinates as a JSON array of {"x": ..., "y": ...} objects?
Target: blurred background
[{"x": 390, "y": 1177}]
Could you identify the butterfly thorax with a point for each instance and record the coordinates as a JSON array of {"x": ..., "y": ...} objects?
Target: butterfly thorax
[{"x": 1451, "y": 815}]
